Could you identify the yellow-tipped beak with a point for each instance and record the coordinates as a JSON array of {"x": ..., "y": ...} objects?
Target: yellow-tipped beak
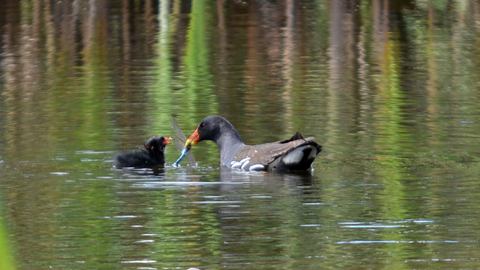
[
  {"x": 167, "y": 139},
  {"x": 192, "y": 140}
]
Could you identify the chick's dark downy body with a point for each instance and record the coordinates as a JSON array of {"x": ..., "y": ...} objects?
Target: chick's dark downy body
[{"x": 150, "y": 156}]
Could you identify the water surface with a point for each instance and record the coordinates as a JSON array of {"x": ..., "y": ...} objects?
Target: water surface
[{"x": 389, "y": 89}]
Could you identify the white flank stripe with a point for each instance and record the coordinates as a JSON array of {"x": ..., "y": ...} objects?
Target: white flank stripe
[
  {"x": 236, "y": 165},
  {"x": 245, "y": 160},
  {"x": 245, "y": 164},
  {"x": 257, "y": 167}
]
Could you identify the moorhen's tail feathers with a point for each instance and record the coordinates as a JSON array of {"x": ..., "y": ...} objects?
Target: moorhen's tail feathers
[
  {"x": 293, "y": 154},
  {"x": 296, "y": 136}
]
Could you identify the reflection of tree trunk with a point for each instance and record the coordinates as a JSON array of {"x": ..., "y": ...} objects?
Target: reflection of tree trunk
[
  {"x": 222, "y": 66},
  {"x": 50, "y": 36},
  {"x": 29, "y": 62},
  {"x": 66, "y": 39},
  {"x": 89, "y": 26},
  {"x": 337, "y": 41},
  {"x": 151, "y": 28},
  {"x": 95, "y": 25},
  {"x": 343, "y": 40},
  {"x": 251, "y": 107},
  {"x": 343, "y": 99},
  {"x": 288, "y": 52},
  {"x": 380, "y": 24},
  {"x": 126, "y": 46},
  {"x": 264, "y": 61},
  {"x": 221, "y": 27},
  {"x": 250, "y": 57},
  {"x": 432, "y": 82},
  {"x": 68, "y": 27},
  {"x": 476, "y": 17},
  {"x": 12, "y": 80},
  {"x": 364, "y": 89},
  {"x": 37, "y": 18},
  {"x": 126, "y": 31}
]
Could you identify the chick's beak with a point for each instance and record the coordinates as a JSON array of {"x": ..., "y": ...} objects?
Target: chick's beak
[
  {"x": 192, "y": 140},
  {"x": 167, "y": 139}
]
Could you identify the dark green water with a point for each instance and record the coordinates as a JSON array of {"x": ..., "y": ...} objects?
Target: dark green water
[{"x": 390, "y": 89}]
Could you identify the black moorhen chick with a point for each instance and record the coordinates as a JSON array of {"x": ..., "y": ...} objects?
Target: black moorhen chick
[
  {"x": 294, "y": 154},
  {"x": 149, "y": 157}
]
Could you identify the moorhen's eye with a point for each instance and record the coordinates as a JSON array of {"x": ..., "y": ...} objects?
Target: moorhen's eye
[{"x": 202, "y": 124}]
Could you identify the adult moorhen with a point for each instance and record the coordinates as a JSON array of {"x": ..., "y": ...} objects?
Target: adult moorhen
[
  {"x": 294, "y": 154},
  {"x": 150, "y": 156}
]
